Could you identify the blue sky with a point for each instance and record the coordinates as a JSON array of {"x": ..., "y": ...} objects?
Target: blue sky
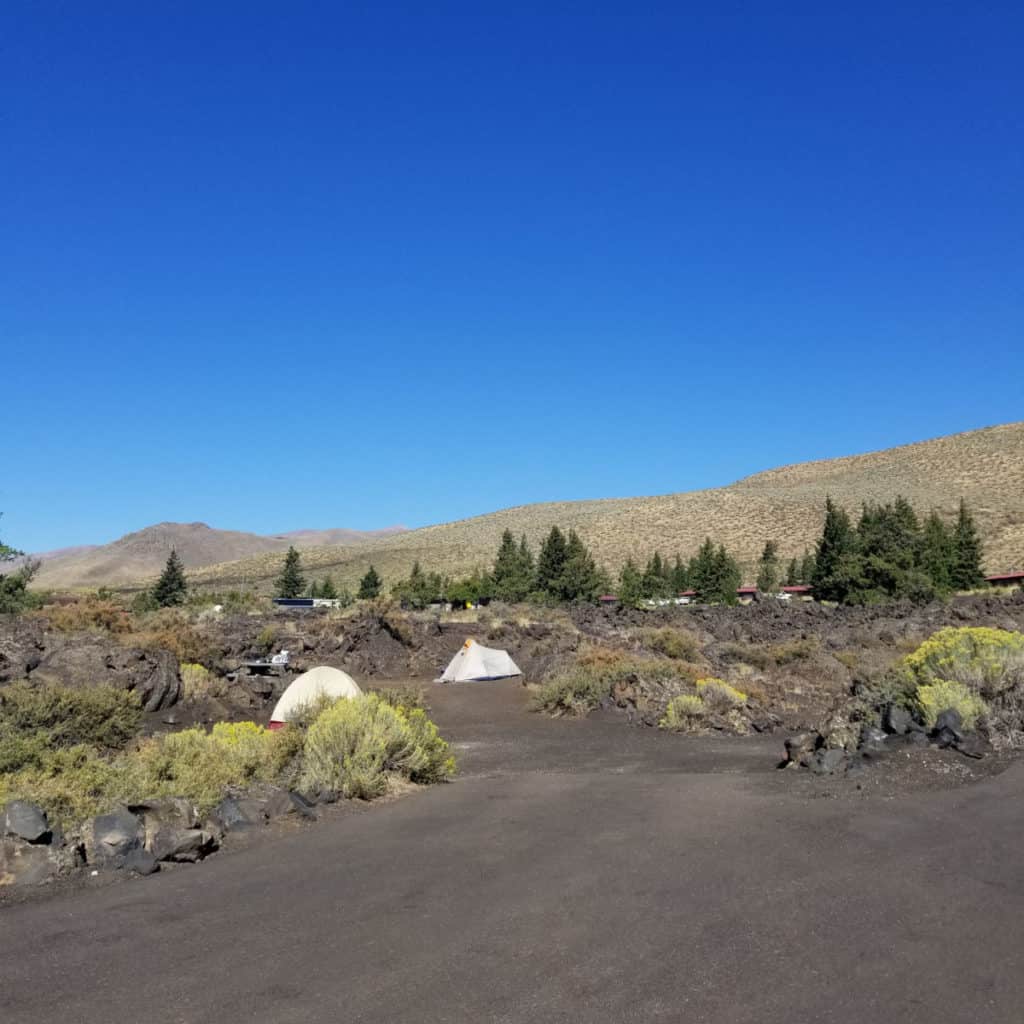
[{"x": 297, "y": 265}]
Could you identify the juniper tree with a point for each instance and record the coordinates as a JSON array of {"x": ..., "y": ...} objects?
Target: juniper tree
[
  {"x": 171, "y": 589},
  {"x": 14, "y": 594},
  {"x": 291, "y": 582},
  {"x": 369, "y": 585}
]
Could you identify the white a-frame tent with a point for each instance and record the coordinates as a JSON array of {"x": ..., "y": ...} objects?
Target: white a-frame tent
[{"x": 474, "y": 661}]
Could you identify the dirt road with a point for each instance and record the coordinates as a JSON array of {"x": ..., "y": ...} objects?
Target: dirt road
[{"x": 576, "y": 872}]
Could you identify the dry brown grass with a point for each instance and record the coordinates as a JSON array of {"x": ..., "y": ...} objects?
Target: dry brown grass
[{"x": 984, "y": 466}]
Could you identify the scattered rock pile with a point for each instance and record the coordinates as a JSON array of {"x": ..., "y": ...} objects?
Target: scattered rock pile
[
  {"x": 841, "y": 747},
  {"x": 136, "y": 838}
]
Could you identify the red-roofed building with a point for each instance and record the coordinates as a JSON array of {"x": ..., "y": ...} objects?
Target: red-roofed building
[{"x": 1007, "y": 579}]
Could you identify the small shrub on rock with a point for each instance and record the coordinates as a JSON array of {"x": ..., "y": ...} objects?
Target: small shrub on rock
[{"x": 198, "y": 682}]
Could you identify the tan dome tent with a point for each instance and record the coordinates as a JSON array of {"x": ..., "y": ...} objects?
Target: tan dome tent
[
  {"x": 322, "y": 681},
  {"x": 474, "y": 661}
]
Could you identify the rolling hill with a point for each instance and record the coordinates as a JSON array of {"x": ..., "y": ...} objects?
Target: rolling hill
[
  {"x": 142, "y": 554},
  {"x": 984, "y": 466}
]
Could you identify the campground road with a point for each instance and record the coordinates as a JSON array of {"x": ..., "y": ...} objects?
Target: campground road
[{"x": 579, "y": 872}]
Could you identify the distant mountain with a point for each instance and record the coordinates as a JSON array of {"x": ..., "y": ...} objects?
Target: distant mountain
[
  {"x": 787, "y": 505},
  {"x": 142, "y": 554}
]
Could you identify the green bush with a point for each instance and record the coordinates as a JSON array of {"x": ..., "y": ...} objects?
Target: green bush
[
  {"x": 405, "y": 698},
  {"x": 759, "y": 657},
  {"x": 102, "y": 716},
  {"x": 581, "y": 687},
  {"x": 944, "y": 694},
  {"x": 792, "y": 650},
  {"x": 357, "y": 745},
  {"x": 683, "y": 713},
  {"x": 198, "y": 682},
  {"x": 673, "y": 643}
]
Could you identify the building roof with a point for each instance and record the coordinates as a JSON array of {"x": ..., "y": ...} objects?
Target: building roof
[
  {"x": 1017, "y": 574},
  {"x": 797, "y": 588},
  {"x": 746, "y": 590}
]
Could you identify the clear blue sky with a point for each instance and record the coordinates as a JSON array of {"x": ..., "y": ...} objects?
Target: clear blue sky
[{"x": 297, "y": 265}]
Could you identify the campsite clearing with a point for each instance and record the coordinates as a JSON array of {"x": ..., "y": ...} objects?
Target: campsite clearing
[{"x": 577, "y": 870}]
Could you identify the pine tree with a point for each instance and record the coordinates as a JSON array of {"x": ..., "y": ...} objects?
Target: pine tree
[
  {"x": 937, "y": 552},
  {"x": 527, "y": 571},
  {"x": 328, "y": 589},
  {"x": 807, "y": 567},
  {"x": 835, "y": 566},
  {"x": 551, "y": 564},
  {"x": 656, "y": 582},
  {"x": 171, "y": 589},
  {"x": 966, "y": 572},
  {"x": 769, "y": 570},
  {"x": 727, "y": 577},
  {"x": 793, "y": 574},
  {"x": 314, "y": 589},
  {"x": 630, "y": 585},
  {"x": 702, "y": 571},
  {"x": 507, "y": 571},
  {"x": 369, "y": 585},
  {"x": 581, "y": 580},
  {"x": 291, "y": 582},
  {"x": 680, "y": 576}
]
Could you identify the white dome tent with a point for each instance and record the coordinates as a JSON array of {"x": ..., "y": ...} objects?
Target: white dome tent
[
  {"x": 476, "y": 662},
  {"x": 322, "y": 681}
]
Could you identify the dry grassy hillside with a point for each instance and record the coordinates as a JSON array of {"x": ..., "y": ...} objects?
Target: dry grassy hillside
[
  {"x": 143, "y": 553},
  {"x": 985, "y": 466}
]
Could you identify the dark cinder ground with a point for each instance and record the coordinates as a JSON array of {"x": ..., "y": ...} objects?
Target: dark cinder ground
[{"x": 578, "y": 871}]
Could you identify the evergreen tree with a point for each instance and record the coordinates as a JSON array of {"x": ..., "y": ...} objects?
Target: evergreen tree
[
  {"x": 506, "y": 568},
  {"x": 793, "y": 573},
  {"x": 551, "y": 564},
  {"x": 937, "y": 552},
  {"x": 328, "y": 589},
  {"x": 171, "y": 589},
  {"x": 966, "y": 572},
  {"x": 836, "y": 566},
  {"x": 630, "y": 585},
  {"x": 702, "y": 571},
  {"x": 420, "y": 589},
  {"x": 727, "y": 578},
  {"x": 527, "y": 571},
  {"x": 14, "y": 592},
  {"x": 768, "y": 572},
  {"x": 656, "y": 580},
  {"x": 680, "y": 576},
  {"x": 807, "y": 567},
  {"x": 581, "y": 580},
  {"x": 291, "y": 582},
  {"x": 369, "y": 585}
]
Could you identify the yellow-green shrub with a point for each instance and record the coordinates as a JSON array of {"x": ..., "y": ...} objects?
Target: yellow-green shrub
[
  {"x": 944, "y": 694},
  {"x": 683, "y": 713},
  {"x": 987, "y": 661},
  {"x": 718, "y": 695},
  {"x": 198, "y": 682},
  {"x": 357, "y": 745}
]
